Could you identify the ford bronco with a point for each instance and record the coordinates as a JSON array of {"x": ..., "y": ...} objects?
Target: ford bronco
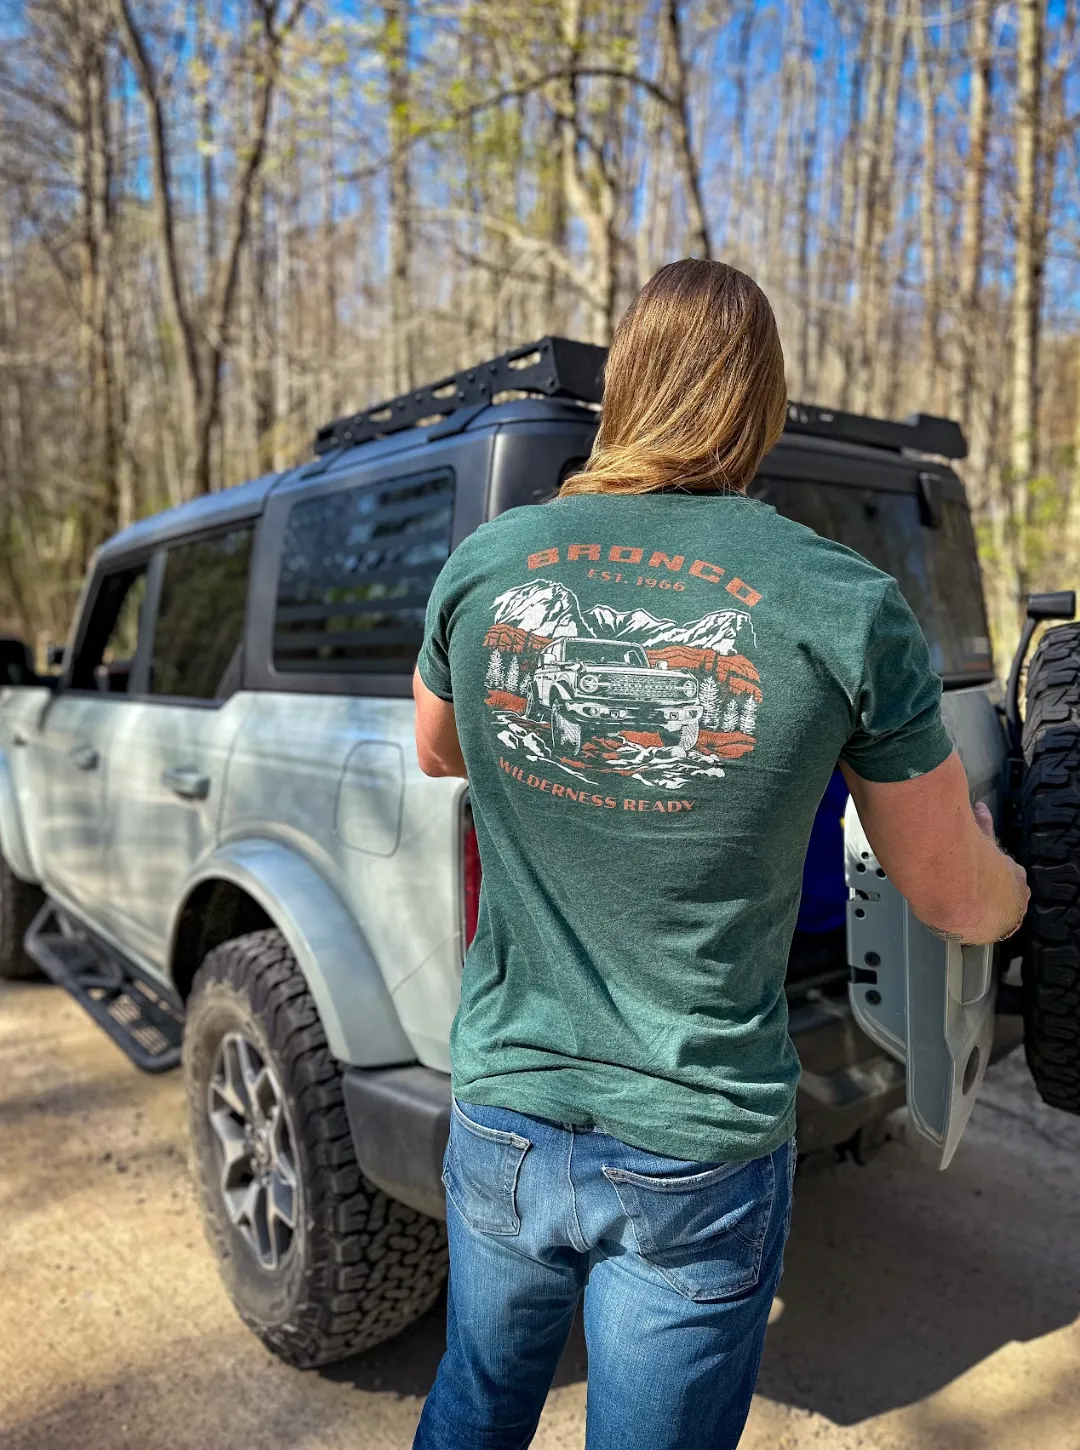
[
  {"x": 216, "y": 836},
  {"x": 585, "y": 686}
]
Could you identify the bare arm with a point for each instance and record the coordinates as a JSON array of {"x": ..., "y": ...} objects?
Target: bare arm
[
  {"x": 437, "y": 745},
  {"x": 941, "y": 854}
]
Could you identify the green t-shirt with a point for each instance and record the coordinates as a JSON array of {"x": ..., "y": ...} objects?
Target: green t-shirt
[{"x": 651, "y": 694}]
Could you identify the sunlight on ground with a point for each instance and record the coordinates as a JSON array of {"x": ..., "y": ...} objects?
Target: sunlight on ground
[{"x": 919, "y": 1311}]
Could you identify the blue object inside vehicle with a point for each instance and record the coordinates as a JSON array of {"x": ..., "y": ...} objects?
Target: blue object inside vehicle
[{"x": 824, "y": 890}]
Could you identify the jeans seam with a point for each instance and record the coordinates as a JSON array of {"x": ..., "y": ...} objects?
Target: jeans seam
[
  {"x": 493, "y": 1135},
  {"x": 675, "y": 1183},
  {"x": 575, "y": 1225}
]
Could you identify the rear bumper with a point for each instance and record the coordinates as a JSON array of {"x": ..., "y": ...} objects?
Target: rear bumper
[
  {"x": 400, "y": 1116},
  {"x": 846, "y": 1080}
]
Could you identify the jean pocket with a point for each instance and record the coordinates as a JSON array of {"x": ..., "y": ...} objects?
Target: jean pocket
[
  {"x": 704, "y": 1232},
  {"x": 480, "y": 1173}
]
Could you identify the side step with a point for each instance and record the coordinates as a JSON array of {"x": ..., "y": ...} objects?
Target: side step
[{"x": 136, "y": 1014}]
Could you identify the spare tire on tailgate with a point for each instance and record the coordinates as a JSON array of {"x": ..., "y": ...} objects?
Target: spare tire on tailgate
[{"x": 1051, "y": 853}]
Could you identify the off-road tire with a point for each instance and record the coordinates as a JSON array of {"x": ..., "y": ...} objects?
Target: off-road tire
[
  {"x": 533, "y": 708},
  {"x": 688, "y": 736},
  {"x": 1051, "y": 852},
  {"x": 565, "y": 731},
  {"x": 20, "y": 902},
  {"x": 361, "y": 1266}
]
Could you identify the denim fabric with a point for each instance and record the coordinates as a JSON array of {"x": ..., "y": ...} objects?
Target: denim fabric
[{"x": 678, "y": 1263}]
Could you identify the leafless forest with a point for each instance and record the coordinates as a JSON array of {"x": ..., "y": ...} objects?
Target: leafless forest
[{"x": 224, "y": 221}]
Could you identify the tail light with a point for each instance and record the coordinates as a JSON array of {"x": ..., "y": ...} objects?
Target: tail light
[{"x": 470, "y": 874}]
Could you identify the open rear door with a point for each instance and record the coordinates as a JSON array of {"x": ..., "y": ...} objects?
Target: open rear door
[{"x": 926, "y": 1001}]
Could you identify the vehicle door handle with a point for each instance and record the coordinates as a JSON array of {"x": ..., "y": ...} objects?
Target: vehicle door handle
[
  {"x": 186, "y": 781},
  {"x": 85, "y": 757},
  {"x": 18, "y": 737}
]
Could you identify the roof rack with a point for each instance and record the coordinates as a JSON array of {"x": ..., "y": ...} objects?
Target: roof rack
[
  {"x": 923, "y": 432},
  {"x": 559, "y": 367}
]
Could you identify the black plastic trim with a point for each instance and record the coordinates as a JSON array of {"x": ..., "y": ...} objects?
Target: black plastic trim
[
  {"x": 123, "y": 1000},
  {"x": 399, "y": 1118}
]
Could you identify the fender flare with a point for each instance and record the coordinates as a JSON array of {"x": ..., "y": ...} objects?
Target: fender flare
[
  {"x": 353, "y": 1002},
  {"x": 12, "y": 836}
]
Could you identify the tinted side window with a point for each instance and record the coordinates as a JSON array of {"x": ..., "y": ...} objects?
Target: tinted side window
[
  {"x": 108, "y": 649},
  {"x": 198, "y": 639},
  {"x": 356, "y": 571},
  {"x": 937, "y": 568}
]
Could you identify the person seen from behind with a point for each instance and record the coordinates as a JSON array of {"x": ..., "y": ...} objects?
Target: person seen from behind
[{"x": 648, "y": 682}]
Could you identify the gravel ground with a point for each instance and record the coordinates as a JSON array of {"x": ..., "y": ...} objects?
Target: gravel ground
[{"x": 919, "y": 1311}]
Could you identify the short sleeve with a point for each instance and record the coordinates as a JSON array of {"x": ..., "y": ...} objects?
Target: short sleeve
[
  {"x": 433, "y": 661},
  {"x": 898, "y": 732}
]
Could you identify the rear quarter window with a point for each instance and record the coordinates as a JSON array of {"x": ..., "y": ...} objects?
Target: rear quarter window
[
  {"x": 937, "y": 569},
  {"x": 357, "y": 567}
]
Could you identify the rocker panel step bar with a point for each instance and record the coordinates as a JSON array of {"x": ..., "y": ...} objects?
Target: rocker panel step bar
[{"x": 135, "y": 1013}]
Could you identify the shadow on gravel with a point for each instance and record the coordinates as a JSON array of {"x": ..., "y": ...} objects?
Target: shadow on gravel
[
  {"x": 899, "y": 1278},
  {"x": 78, "y": 1100},
  {"x": 203, "y": 1395},
  {"x": 407, "y": 1364}
]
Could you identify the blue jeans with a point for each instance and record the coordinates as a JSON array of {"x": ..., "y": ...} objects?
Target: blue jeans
[{"x": 678, "y": 1263}]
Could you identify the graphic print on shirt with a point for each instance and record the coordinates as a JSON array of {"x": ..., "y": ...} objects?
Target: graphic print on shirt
[{"x": 598, "y": 692}]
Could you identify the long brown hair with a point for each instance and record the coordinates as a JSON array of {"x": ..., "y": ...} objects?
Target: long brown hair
[{"x": 694, "y": 390}]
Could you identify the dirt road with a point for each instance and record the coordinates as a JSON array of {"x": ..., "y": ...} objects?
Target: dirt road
[{"x": 919, "y": 1311}]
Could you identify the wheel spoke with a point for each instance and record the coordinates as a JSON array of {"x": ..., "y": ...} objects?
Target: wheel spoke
[
  {"x": 281, "y": 1149},
  {"x": 257, "y": 1173},
  {"x": 242, "y": 1203},
  {"x": 234, "y": 1148},
  {"x": 228, "y": 1081},
  {"x": 282, "y": 1199},
  {"x": 264, "y": 1096},
  {"x": 249, "y": 1066},
  {"x": 262, "y": 1226}
]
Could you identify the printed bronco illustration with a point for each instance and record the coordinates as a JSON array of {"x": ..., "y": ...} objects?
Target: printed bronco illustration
[{"x": 599, "y": 692}]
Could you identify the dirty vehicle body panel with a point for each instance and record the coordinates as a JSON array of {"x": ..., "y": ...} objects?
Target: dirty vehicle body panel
[{"x": 230, "y": 749}]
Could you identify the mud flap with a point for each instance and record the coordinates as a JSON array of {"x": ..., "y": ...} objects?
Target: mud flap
[{"x": 927, "y": 1002}]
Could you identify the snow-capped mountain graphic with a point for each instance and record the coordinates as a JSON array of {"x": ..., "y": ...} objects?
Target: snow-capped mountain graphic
[
  {"x": 619, "y": 624},
  {"x": 718, "y": 631},
  {"x": 544, "y": 607}
]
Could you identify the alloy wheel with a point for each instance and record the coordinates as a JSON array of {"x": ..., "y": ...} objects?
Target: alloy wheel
[{"x": 258, "y": 1180}]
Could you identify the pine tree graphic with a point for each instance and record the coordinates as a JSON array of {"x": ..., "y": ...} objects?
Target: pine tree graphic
[
  {"x": 731, "y": 717},
  {"x": 493, "y": 678},
  {"x": 513, "y": 674},
  {"x": 749, "y": 716},
  {"x": 709, "y": 699}
]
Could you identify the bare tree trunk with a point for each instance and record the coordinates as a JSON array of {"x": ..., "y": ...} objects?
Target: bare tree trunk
[
  {"x": 855, "y": 218},
  {"x": 1072, "y": 523},
  {"x": 881, "y": 180},
  {"x": 597, "y": 212},
  {"x": 13, "y": 436},
  {"x": 1026, "y": 284},
  {"x": 396, "y": 18},
  {"x": 805, "y": 160},
  {"x": 700, "y": 240},
  {"x": 327, "y": 405},
  {"x": 974, "y": 206},
  {"x": 931, "y": 299},
  {"x": 202, "y": 377},
  {"x": 179, "y": 316}
]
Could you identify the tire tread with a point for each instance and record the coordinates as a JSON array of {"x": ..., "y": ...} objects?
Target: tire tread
[
  {"x": 1051, "y": 845},
  {"x": 356, "y": 1234}
]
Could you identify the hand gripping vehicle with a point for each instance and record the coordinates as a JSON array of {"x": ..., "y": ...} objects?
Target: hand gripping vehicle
[{"x": 216, "y": 836}]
